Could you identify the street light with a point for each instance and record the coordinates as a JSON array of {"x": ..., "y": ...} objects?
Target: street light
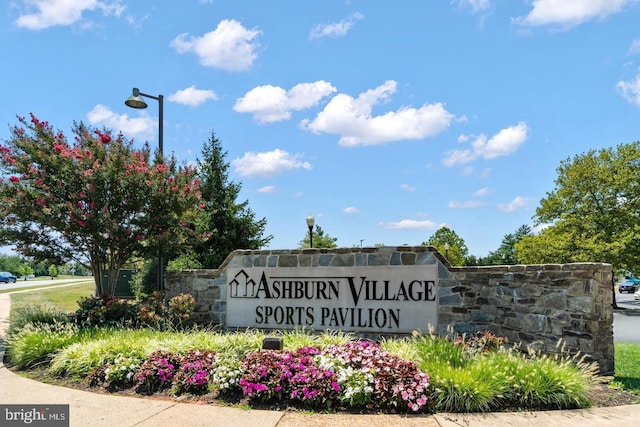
[
  {"x": 136, "y": 101},
  {"x": 446, "y": 251},
  {"x": 310, "y": 222}
]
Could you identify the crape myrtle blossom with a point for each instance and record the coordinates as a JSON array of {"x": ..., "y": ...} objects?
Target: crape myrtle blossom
[{"x": 97, "y": 200}]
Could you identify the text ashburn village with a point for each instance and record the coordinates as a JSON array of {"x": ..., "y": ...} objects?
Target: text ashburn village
[{"x": 385, "y": 299}]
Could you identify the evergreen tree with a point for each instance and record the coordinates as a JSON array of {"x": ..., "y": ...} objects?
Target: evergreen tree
[
  {"x": 506, "y": 254},
  {"x": 320, "y": 240},
  {"x": 450, "y": 245},
  {"x": 227, "y": 224}
]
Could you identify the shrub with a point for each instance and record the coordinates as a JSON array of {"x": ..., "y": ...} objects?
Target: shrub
[
  {"x": 481, "y": 342},
  {"x": 151, "y": 311},
  {"x": 226, "y": 373},
  {"x": 157, "y": 372},
  {"x": 398, "y": 383},
  {"x": 105, "y": 310},
  {"x": 265, "y": 373},
  {"x": 195, "y": 372},
  {"x": 181, "y": 308},
  {"x": 357, "y": 373},
  {"x": 35, "y": 315},
  {"x": 36, "y": 344},
  {"x": 122, "y": 371}
]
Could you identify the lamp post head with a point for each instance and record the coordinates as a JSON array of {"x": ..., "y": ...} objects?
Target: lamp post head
[
  {"x": 135, "y": 100},
  {"x": 310, "y": 221}
]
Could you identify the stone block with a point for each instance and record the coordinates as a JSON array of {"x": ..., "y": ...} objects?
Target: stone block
[{"x": 481, "y": 316}]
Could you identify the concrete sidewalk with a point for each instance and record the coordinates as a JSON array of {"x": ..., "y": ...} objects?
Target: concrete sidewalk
[{"x": 97, "y": 410}]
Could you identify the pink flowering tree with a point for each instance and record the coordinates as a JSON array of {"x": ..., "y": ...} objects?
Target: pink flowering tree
[{"x": 98, "y": 201}]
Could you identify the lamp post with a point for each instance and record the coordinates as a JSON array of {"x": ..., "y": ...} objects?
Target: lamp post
[
  {"x": 446, "y": 251},
  {"x": 310, "y": 223},
  {"x": 136, "y": 101}
]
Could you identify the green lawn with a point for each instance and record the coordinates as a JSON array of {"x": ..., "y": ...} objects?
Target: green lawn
[
  {"x": 627, "y": 358},
  {"x": 65, "y": 298}
]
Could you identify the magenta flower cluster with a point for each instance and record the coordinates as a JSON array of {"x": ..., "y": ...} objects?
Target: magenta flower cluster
[
  {"x": 194, "y": 373},
  {"x": 157, "y": 372},
  {"x": 358, "y": 373}
]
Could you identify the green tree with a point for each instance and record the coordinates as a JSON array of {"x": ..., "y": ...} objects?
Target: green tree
[
  {"x": 97, "y": 201},
  {"x": 53, "y": 271},
  {"x": 226, "y": 224},
  {"x": 10, "y": 263},
  {"x": 507, "y": 254},
  {"x": 593, "y": 211},
  {"x": 25, "y": 270},
  {"x": 449, "y": 244},
  {"x": 320, "y": 240}
]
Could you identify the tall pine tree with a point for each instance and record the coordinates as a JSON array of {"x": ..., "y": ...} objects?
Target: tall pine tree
[{"x": 226, "y": 224}]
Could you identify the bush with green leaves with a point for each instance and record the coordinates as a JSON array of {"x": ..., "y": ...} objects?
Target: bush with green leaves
[
  {"x": 35, "y": 315},
  {"x": 35, "y": 344},
  {"x": 152, "y": 311},
  {"x": 105, "y": 310},
  {"x": 194, "y": 374},
  {"x": 157, "y": 372}
]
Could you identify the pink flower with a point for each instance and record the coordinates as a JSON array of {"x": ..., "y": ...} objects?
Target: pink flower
[{"x": 14, "y": 178}]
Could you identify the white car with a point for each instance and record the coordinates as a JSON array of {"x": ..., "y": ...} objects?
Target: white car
[{"x": 636, "y": 295}]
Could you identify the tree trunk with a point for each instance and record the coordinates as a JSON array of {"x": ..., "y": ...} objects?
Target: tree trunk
[
  {"x": 113, "y": 279},
  {"x": 98, "y": 277}
]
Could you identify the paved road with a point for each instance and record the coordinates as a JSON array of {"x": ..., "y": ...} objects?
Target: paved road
[
  {"x": 41, "y": 282},
  {"x": 626, "y": 323}
]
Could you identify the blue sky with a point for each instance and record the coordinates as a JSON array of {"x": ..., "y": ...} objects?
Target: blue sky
[{"x": 385, "y": 120}]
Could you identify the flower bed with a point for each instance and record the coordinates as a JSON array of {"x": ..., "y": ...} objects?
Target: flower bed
[{"x": 358, "y": 374}]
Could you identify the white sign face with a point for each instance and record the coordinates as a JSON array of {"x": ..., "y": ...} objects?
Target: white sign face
[{"x": 386, "y": 299}]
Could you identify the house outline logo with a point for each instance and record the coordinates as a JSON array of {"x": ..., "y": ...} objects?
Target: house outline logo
[{"x": 242, "y": 285}]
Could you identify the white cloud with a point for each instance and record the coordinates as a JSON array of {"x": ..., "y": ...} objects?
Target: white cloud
[
  {"x": 505, "y": 142},
  {"x": 192, "y": 97},
  {"x": 270, "y": 104},
  {"x": 485, "y": 173},
  {"x": 267, "y": 189},
  {"x": 337, "y": 29},
  {"x": 352, "y": 119},
  {"x": 465, "y": 205},
  {"x": 570, "y": 13},
  {"x": 482, "y": 192},
  {"x": 230, "y": 46},
  {"x": 634, "y": 48},
  {"x": 630, "y": 90},
  {"x": 351, "y": 210},
  {"x": 476, "y": 6},
  {"x": 411, "y": 224},
  {"x": 41, "y": 14},
  {"x": 516, "y": 204},
  {"x": 268, "y": 164},
  {"x": 138, "y": 127},
  {"x": 407, "y": 187}
]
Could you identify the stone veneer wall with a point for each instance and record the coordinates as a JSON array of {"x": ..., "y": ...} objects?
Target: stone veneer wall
[{"x": 536, "y": 305}]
